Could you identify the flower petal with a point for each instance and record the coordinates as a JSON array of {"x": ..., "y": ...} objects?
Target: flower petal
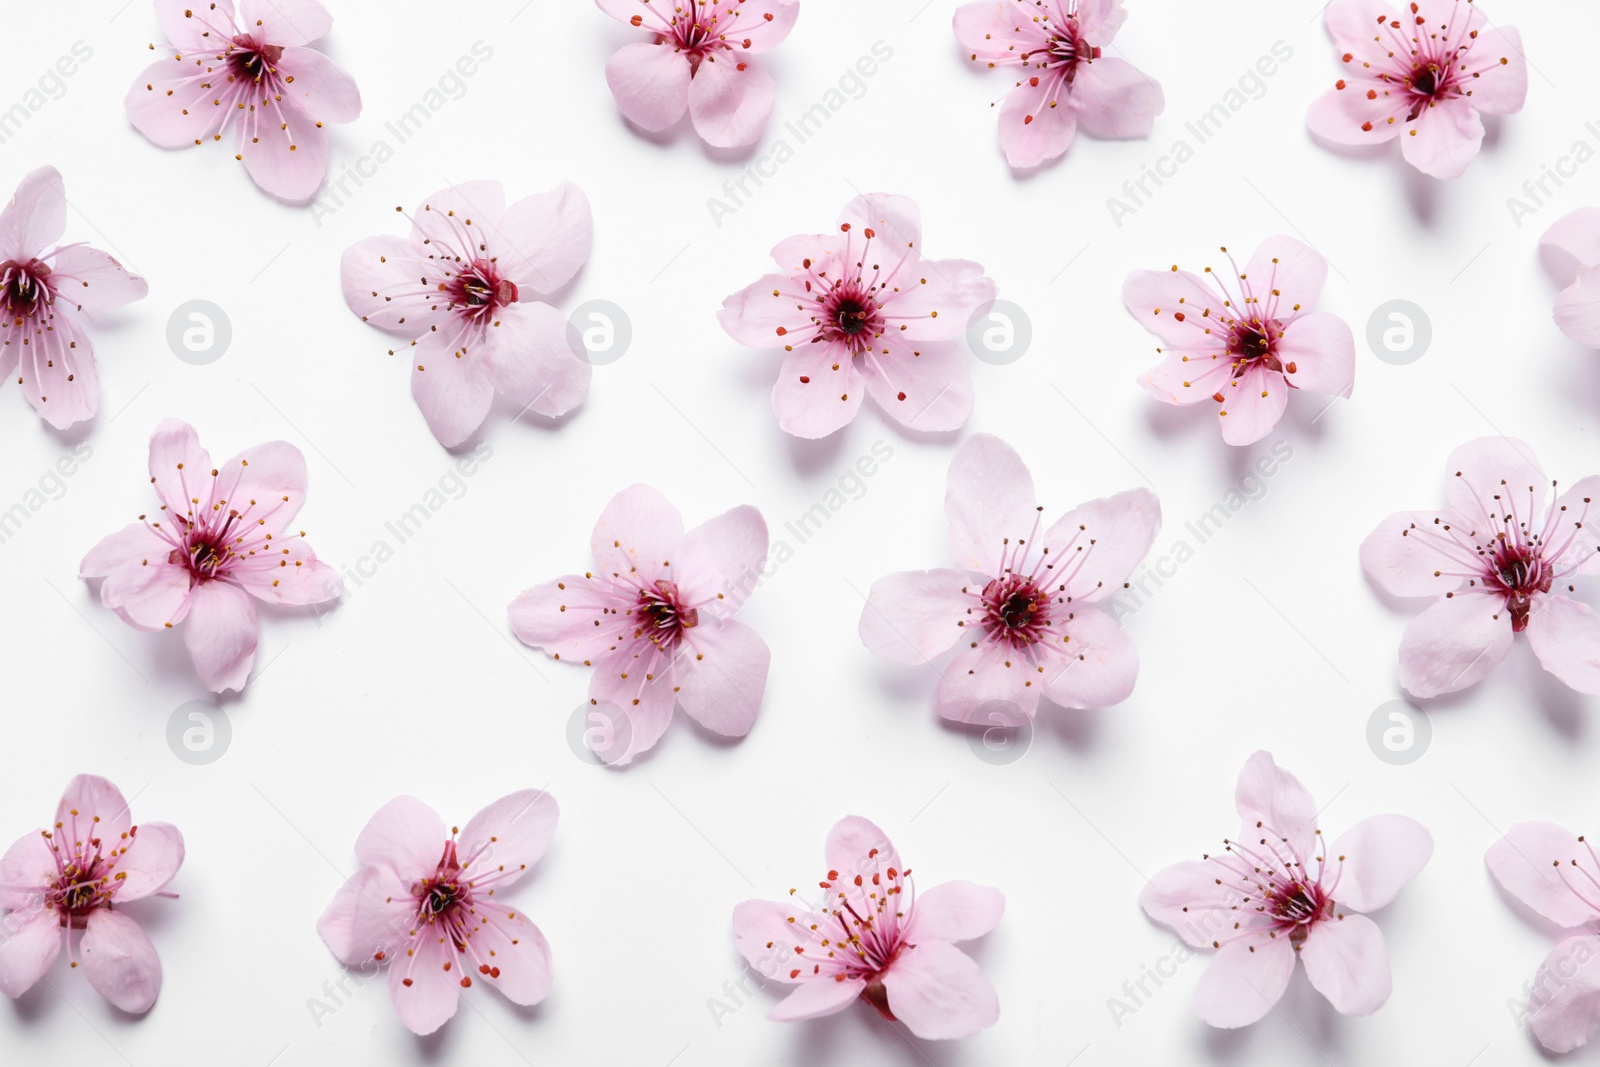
[
  {"x": 1501, "y": 85},
  {"x": 57, "y": 369},
  {"x": 939, "y": 992},
  {"x": 955, "y": 911},
  {"x": 1378, "y": 857},
  {"x": 755, "y": 314},
  {"x": 1113, "y": 98},
  {"x": 1177, "y": 307},
  {"x": 424, "y": 993},
  {"x": 722, "y": 676},
  {"x": 510, "y": 835},
  {"x": 1454, "y": 644},
  {"x": 381, "y": 279},
  {"x": 927, "y": 388},
  {"x": 855, "y": 843},
  {"x": 1095, "y": 547},
  {"x": 1566, "y": 1011},
  {"x": 650, "y": 83},
  {"x": 730, "y": 100},
  {"x": 1252, "y": 405},
  {"x": 404, "y": 835},
  {"x": 35, "y": 216},
  {"x": 1565, "y": 635},
  {"x": 191, "y": 31},
  {"x": 1243, "y": 982},
  {"x": 1284, "y": 265},
  {"x": 220, "y": 632},
  {"x": 819, "y": 390},
  {"x": 985, "y": 684},
  {"x": 916, "y": 616},
  {"x": 176, "y": 104},
  {"x": 530, "y": 357},
  {"x": 1486, "y": 478},
  {"x": 1275, "y": 808},
  {"x": 641, "y": 689},
  {"x": 26, "y": 869},
  {"x": 1577, "y": 235},
  {"x": 1348, "y": 963},
  {"x": 989, "y": 502},
  {"x": 285, "y": 152},
  {"x": 1548, "y": 868},
  {"x": 1188, "y": 897},
  {"x": 287, "y": 22},
  {"x": 816, "y": 998},
  {"x": 1444, "y": 139},
  {"x": 1577, "y": 308},
  {"x": 1409, "y": 554},
  {"x": 896, "y": 219},
  {"x": 1097, "y": 666},
  {"x": 513, "y": 956},
  {"x": 765, "y": 936},
  {"x": 27, "y": 952},
  {"x": 93, "y": 280},
  {"x": 575, "y": 617},
  {"x": 451, "y": 385},
  {"x": 120, "y": 962},
  {"x": 152, "y": 860},
  {"x": 90, "y": 808},
  {"x": 545, "y": 238},
  {"x": 935, "y": 299},
  {"x": 1032, "y": 131},
  {"x": 990, "y": 31},
  {"x": 719, "y": 562},
  {"x": 318, "y": 86},
  {"x": 636, "y": 536}
]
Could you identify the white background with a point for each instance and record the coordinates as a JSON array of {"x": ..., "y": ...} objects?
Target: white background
[{"x": 1269, "y": 637}]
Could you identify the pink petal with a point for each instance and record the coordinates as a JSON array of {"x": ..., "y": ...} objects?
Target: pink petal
[
  {"x": 382, "y": 915},
  {"x": 1488, "y": 475},
  {"x": 1186, "y": 377},
  {"x": 916, "y": 616},
  {"x": 1348, "y": 963},
  {"x": 621, "y": 680},
  {"x": 1113, "y": 98},
  {"x": 267, "y": 482},
  {"x": 91, "y": 807},
  {"x": 337, "y": 924},
  {"x": 636, "y": 536},
  {"x": 1381, "y": 854},
  {"x": 937, "y": 298},
  {"x": 1096, "y": 546},
  {"x": 380, "y": 276},
  {"x": 764, "y": 935},
  {"x": 1444, "y": 139},
  {"x": 132, "y": 546},
  {"x": 896, "y": 219},
  {"x": 722, "y": 676},
  {"x": 286, "y": 155},
  {"x": 545, "y": 238},
  {"x": 575, "y": 617},
  {"x": 1274, "y": 806},
  {"x": 530, "y": 359},
  {"x": 287, "y": 22},
  {"x": 1187, "y": 897},
  {"x": 816, "y": 998},
  {"x": 27, "y": 867},
  {"x": 220, "y": 632},
  {"x": 120, "y": 962},
  {"x": 939, "y": 992},
  {"x": 1097, "y": 666},
  {"x": 317, "y": 85},
  {"x": 1566, "y": 1012},
  {"x": 289, "y": 574},
  {"x": 57, "y": 371},
  {"x": 1408, "y": 554},
  {"x": 989, "y": 502},
  {"x": 718, "y": 562},
  {"x": 1252, "y": 405},
  {"x": 460, "y": 217},
  {"x": 1099, "y": 20},
  {"x": 508, "y": 943},
  {"x": 1282, "y": 264},
  {"x": 175, "y": 104},
  {"x": 1322, "y": 351},
  {"x": 1349, "y": 116},
  {"x": 650, "y": 83},
  {"x": 754, "y": 315},
  {"x": 152, "y": 859},
  {"x": 434, "y": 993},
  {"x": 819, "y": 390},
  {"x": 979, "y": 677},
  {"x": 1565, "y": 635},
  {"x": 1577, "y": 308},
  {"x": 1575, "y": 508},
  {"x": 762, "y": 23},
  {"x": 179, "y": 467},
  {"x": 1243, "y": 982},
  {"x": 1355, "y": 26},
  {"x": 955, "y": 911},
  {"x": 509, "y": 835},
  {"x": 854, "y": 843},
  {"x": 189, "y": 30},
  {"x": 93, "y": 280},
  {"x": 1502, "y": 86},
  {"x": 1454, "y": 644},
  {"x": 27, "y": 952},
  {"x": 404, "y": 835},
  {"x": 35, "y": 216},
  {"x": 451, "y": 385},
  {"x": 1577, "y": 234},
  {"x": 1548, "y": 868},
  {"x": 154, "y": 595},
  {"x": 1158, "y": 297},
  {"x": 990, "y": 31},
  {"x": 730, "y": 100},
  {"x": 1031, "y": 131},
  {"x": 927, "y": 388}
]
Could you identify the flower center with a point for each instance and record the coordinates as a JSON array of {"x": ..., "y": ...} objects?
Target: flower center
[
  {"x": 1016, "y": 610},
  {"x": 479, "y": 290},
  {"x": 440, "y": 896},
  {"x": 23, "y": 287},
  {"x": 206, "y": 551},
  {"x": 1519, "y": 572},
  {"x": 662, "y": 615},
  {"x": 1067, "y": 50},
  {"x": 83, "y": 883},
  {"x": 1255, "y": 341},
  {"x": 249, "y": 60},
  {"x": 1295, "y": 906},
  {"x": 850, "y": 316}
]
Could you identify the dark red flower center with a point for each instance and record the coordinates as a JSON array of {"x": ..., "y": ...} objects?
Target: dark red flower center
[
  {"x": 1016, "y": 610},
  {"x": 1520, "y": 573},
  {"x": 662, "y": 615},
  {"x": 1296, "y": 905},
  {"x": 1255, "y": 341},
  {"x": 23, "y": 287},
  {"x": 252, "y": 60},
  {"x": 479, "y": 290}
]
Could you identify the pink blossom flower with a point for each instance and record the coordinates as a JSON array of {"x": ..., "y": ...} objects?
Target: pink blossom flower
[
  {"x": 868, "y": 938},
  {"x": 76, "y": 876},
  {"x": 1499, "y": 557},
  {"x": 428, "y": 903},
  {"x": 1248, "y": 345},
  {"x": 222, "y": 539},
  {"x": 1279, "y": 892},
  {"x": 1557, "y": 874},
  {"x": 254, "y": 68},
  {"x": 655, "y": 618},
  {"x": 1423, "y": 72},
  {"x": 460, "y": 289},
  {"x": 44, "y": 296},
  {"x": 1023, "y": 603},
  {"x": 1576, "y": 239},
  {"x": 1065, "y": 81},
  {"x": 860, "y": 311},
  {"x": 700, "y": 58}
]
